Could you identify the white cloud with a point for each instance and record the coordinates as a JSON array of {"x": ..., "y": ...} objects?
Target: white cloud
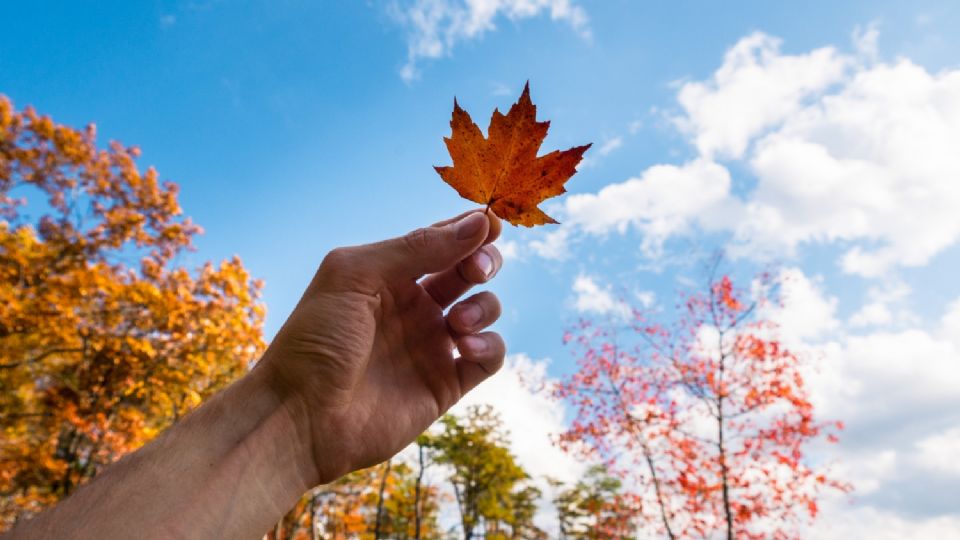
[
  {"x": 896, "y": 391},
  {"x": 554, "y": 244},
  {"x": 883, "y": 379},
  {"x": 602, "y": 151},
  {"x": 879, "y": 310},
  {"x": 590, "y": 297},
  {"x": 509, "y": 249},
  {"x": 857, "y": 154},
  {"x": 755, "y": 88},
  {"x": 872, "y": 314},
  {"x": 435, "y": 27},
  {"x": 806, "y": 312},
  {"x": 610, "y": 145},
  {"x": 865, "y": 41},
  {"x": 659, "y": 203},
  {"x": 859, "y": 164},
  {"x": 950, "y": 324},
  {"x": 868, "y": 473},
  {"x": 940, "y": 452},
  {"x": 646, "y": 299},
  {"x": 840, "y": 521}
]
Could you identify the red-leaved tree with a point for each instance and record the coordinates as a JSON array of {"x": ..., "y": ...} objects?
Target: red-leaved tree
[{"x": 707, "y": 417}]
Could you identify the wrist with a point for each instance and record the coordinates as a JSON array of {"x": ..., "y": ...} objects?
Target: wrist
[
  {"x": 290, "y": 420},
  {"x": 324, "y": 451}
]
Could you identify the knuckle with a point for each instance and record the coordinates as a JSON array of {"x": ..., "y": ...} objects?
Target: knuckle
[
  {"x": 337, "y": 261},
  {"x": 421, "y": 240}
]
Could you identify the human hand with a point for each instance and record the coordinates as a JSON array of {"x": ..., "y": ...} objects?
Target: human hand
[{"x": 365, "y": 362}]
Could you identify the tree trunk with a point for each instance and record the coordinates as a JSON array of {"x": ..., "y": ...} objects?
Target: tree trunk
[
  {"x": 647, "y": 455},
  {"x": 416, "y": 495},
  {"x": 724, "y": 473},
  {"x": 383, "y": 486},
  {"x": 314, "y": 533}
]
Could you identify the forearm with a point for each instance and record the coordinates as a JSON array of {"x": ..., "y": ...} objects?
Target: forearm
[{"x": 228, "y": 470}]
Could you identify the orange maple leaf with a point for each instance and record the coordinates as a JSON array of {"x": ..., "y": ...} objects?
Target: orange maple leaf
[{"x": 503, "y": 171}]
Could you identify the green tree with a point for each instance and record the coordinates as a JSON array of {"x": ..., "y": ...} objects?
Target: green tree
[
  {"x": 484, "y": 474},
  {"x": 523, "y": 508},
  {"x": 595, "y": 508}
]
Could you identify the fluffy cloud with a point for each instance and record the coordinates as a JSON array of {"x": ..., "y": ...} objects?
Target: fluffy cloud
[
  {"x": 840, "y": 522},
  {"x": 939, "y": 452},
  {"x": 882, "y": 308},
  {"x": 660, "y": 203},
  {"x": 592, "y": 298},
  {"x": 858, "y": 164},
  {"x": 950, "y": 324},
  {"x": 434, "y": 27},
  {"x": 838, "y": 150},
  {"x": 806, "y": 313},
  {"x": 897, "y": 393},
  {"x": 756, "y": 87}
]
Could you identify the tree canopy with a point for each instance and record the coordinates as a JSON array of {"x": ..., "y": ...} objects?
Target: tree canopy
[{"x": 105, "y": 338}]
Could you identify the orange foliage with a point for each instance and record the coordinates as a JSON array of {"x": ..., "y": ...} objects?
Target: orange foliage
[
  {"x": 503, "y": 171},
  {"x": 104, "y": 339}
]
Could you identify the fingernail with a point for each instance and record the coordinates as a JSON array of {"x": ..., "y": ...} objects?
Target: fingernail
[
  {"x": 485, "y": 262},
  {"x": 470, "y": 314},
  {"x": 476, "y": 344},
  {"x": 470, "y": 225}
]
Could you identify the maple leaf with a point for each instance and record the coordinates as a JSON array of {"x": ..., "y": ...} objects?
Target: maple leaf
[{"x": 502, "y": 171}]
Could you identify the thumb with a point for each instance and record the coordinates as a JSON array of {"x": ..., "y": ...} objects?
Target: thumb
[{"x": 430, "y": 249}]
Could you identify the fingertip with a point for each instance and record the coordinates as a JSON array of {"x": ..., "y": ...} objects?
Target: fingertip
[
  {"x": 476, "y": 365},
  {"x": 496, "y": 226},
  {"x": 472, "y": 226}
]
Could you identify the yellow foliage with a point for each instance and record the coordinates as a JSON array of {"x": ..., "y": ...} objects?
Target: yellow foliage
[{"x": 98, "y": 355}]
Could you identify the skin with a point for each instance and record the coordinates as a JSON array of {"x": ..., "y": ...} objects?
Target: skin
[{"x": 363, "y": 365}]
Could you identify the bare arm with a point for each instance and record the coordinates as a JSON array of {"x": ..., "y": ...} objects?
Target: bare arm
[{"x": 363, "y": 365}]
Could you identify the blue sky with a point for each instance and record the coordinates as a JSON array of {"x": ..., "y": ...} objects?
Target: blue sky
[{"x": 293, "y": 127}]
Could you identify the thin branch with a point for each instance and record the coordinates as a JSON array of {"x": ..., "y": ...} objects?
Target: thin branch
[{"x": 41, "y": 357}]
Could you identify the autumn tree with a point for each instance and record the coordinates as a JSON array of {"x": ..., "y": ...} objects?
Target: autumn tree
[
  {"x": 353, "y": 506},
  {"x": 400, "y": 504},
  {"x": 708, "y": 416},
  {"x": 491, "y": 488},
  {"x": 595, "y": 508},
  {"x": 104, "y": 338},
  {"x": 335, "y": 511}
]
